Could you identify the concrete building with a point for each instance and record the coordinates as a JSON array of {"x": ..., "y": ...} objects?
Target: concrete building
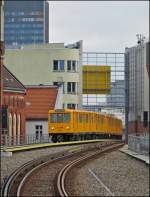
[
  {"x": 137, "y": 89},
  {"x": 52, "y": 64},
  {"x": 26, "y": 22},
  {"x": 137, "y": 60},
  {"x": 117, "y": 94},
  {"x": 39, "y": 100}
]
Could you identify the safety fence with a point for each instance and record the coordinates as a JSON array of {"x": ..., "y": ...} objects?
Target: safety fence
[
  {"x": 7, "y": 141},
  {"x": 139, "y": 144}
]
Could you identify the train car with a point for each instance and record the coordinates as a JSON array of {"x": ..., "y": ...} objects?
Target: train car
[{"x": 67, "y": 125}]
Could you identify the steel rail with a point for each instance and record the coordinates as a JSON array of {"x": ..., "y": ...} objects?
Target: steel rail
[
  {"x": 18, "y": 178},
  {"x": 21, "y": 184},
  {"x": 62, "y": 175},
  {"x": 7, "y": 185},
  {"x": 25, "y": 170}
]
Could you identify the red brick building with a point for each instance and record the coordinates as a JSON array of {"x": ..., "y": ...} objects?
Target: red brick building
[{"x": 13, "y": 106}]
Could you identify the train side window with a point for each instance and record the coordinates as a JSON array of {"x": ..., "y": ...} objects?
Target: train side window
[
  {"x": 66, "y": 117},
  {"x": 53, "y": 118}
]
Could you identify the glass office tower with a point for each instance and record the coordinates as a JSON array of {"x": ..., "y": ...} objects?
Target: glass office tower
[{"x": 26, "y": 22}]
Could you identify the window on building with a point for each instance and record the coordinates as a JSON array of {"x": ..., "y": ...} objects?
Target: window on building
[
  {"x": 58, "y": 65},
  {"x": 38, "y": 131},
  {"x": 71, "y": 87},
  {"x": 71, "y": 65},
  {"x": 71, "y": 106}
]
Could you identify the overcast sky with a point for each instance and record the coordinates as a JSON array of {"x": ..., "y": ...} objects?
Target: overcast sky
[{"x": 103, "y": 26}]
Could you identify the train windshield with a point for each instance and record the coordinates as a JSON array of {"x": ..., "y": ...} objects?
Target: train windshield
[{"x": 60, "y": 118}]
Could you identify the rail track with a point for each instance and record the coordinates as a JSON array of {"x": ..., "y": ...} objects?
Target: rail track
[{"x": 47, "y": 175}]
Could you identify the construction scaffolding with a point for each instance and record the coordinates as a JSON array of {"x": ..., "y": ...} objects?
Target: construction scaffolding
[{"x": 110, "y": 99}]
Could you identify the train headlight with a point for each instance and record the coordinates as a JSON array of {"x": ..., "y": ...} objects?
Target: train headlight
[
  {"x": 52, "y": 128},
  {"x": 67, "y": 127}
]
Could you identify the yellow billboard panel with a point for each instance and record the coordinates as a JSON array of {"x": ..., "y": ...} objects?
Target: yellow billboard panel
[{"x": 96, "y": 79}]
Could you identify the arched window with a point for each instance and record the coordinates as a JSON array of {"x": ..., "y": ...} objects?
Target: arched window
[
  {"x": 18, "y": 124},
  {"x": 14, "y": 125},
  {"x": 10, "y": 124},
  {"x": 18, "y": 128}
]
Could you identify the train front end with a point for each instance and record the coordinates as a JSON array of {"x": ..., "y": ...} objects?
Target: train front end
[{"x": 59, "y": 124}]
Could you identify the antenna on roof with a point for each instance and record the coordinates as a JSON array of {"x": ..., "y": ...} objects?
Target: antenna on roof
[{"x": 140, "y": 38}]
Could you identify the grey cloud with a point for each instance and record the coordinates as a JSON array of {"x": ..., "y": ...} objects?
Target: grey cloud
[{"x": 109, "y": 26}]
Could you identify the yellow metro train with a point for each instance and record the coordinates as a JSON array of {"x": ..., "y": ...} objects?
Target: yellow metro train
[{"x": 67, "y": 125}]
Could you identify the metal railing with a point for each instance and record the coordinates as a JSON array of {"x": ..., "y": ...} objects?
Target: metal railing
[
  {"x": 9, "y": 141},
  {"x": 139, "y": 144}
]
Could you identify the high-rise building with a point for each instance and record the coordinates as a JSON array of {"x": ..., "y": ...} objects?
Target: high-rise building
[
  {"x": 137, "y": 65},
  {"x": 117, "y": 94},
  {"x": 26, "y": 22}
]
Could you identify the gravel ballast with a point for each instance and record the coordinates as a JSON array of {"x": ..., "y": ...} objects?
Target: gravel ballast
[
  {"x": 114, "y": 173},
  {"x": 9, "y": 164}
]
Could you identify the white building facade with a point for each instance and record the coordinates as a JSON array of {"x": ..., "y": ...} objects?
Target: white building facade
[{"x": 50, "y": 64}]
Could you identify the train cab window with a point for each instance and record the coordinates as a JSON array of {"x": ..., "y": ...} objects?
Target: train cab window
[
  {"x": 66, "y": 117},
  {"x": 59, "y": 118},
  {"x": 53, "y": 118}
]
